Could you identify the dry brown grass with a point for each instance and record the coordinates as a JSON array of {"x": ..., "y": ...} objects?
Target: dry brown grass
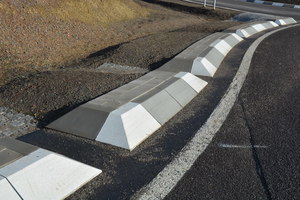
[
  {"x": 53, "y": 32},
  {"x": 103, "y": 12}
]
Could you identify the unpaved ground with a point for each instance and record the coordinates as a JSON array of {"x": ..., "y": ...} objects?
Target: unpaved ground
[{"x": 48, "y": 92}]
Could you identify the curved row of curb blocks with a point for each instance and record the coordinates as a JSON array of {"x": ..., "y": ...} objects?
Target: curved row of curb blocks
[
  {"x": 272, "y": 3},
  {"x": 124, "y": 117},
  {"x": 128, "y": 115},
  {"x": 140, "y": 112}
]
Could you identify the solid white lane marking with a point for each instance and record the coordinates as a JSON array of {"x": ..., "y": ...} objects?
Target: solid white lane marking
[
  {"x": 240, "y": 146},
  {"x": 167, "y": 179}
]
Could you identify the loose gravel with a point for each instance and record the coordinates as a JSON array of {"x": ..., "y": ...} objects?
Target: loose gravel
[
  {"x": 121, "y": 69},
  {"x": 13, "y": 123}
]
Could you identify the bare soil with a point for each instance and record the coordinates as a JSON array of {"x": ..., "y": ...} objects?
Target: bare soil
[{"x": 40, "y": 85}]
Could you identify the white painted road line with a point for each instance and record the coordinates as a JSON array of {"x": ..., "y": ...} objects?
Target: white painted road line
[
  {"x": 234, "y": 146},
  {"x": 167, "y": 179}
]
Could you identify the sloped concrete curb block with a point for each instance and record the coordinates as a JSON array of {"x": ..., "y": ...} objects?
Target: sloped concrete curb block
[
  {"x": 134, "y": 117},
  {"x": 256, "y": 28},
  {"x": 28, "y": 172},
  {"x": 285, "y": 21},
  {"x": 272, "y": 3},
  {"x": 207, "y": 63}
]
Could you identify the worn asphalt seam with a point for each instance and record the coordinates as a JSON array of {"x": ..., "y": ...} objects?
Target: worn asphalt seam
[
  {"x": 167, "y": 179},
  {"x": 259, "y": 168}
]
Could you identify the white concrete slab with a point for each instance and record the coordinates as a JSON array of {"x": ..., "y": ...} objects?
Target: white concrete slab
[
  {"x": 160, "y": 104},
  {"x": 258, "y": 27},
  {"x": 285, "y": 21},
  {"x": 270, "y": 24},
  {"x": 277, "y": 4},
  {"x": 233, "y": 39},
  {"x": 7, "y": 191},
  {"x": 181, "y": 91},
  {"x": 196, "y": 83},
  {"x": 202, "y": 67},
  {"x": 128, "y": 126},
  {"x": 242, "y": 33},
  {"x": 280, "y": 22},
  {"x": 46, "y": 175},
  {"x": 222, "y": 46},
  {"x": 259, "y": 2}
]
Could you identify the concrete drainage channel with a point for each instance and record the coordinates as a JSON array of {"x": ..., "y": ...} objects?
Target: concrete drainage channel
[{"x": 145, "y": 105}]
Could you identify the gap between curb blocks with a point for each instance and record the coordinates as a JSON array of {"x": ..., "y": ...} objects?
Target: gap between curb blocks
[{"x": 167, "y": 179}]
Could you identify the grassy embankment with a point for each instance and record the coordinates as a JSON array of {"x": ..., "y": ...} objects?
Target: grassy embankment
[{"x": 53, "y": 32}]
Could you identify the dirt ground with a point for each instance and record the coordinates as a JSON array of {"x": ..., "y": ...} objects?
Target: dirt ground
[{"x": 48, "y": 89}]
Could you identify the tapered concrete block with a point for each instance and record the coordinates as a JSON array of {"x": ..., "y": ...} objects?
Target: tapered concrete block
[
  {"x": 277, "y": 4},
  {"x": 258, "y": 27},
  {"x": 181, "y": 91},
  {"x": 7, "y": 191},
  {"x": 222, "y": 46},
  {"x": 270, "y": 24},
  {"x": 131, "y": 124},
  {"x": 196, "y": 83},
  {"x": 259, "y": 2},
  {"x": 41, "y": 174},
  {"x": 128, "y": 126},
  {"x": 184, "y": 60},
  {"x": 84, "y": 121},
  {"x": 215, "y": 56},
  {"x": 246, "y": 32},
  {"x": 203, "y": 67},
  {"x": 159, "y": 103},
  {"x": 285, "y": 21},
  {"x": 232, "y": 39}
]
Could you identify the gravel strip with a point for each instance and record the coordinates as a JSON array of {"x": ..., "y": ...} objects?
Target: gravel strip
[
  {"x": 13, "y": 123},
  {"x": 121, "y": 69}
]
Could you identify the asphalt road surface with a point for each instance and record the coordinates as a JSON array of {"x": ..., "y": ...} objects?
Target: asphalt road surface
[
  {"x": 256, "y": 8},
  {"x": 256, "y": 153}
]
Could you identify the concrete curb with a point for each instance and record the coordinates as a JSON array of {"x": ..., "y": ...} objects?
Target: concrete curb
[
  {"x": 255, "y": 28},
  {"x": 138, "y": 112},
  {"x": 285, "y": 21},
  {"x": 128, "y": 115},
  {"x": 29, "y": 172},
  {"x": 209, "y": 60},
  {"x": 272, "y": 3}
]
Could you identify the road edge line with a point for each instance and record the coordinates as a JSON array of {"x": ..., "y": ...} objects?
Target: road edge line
[{"x": 167, "y": 179}]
